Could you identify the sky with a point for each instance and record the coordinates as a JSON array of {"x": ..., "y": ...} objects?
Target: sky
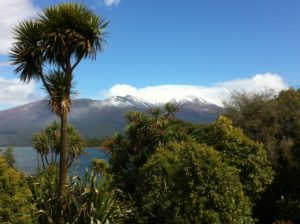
[{"x": 164, "y": 49}]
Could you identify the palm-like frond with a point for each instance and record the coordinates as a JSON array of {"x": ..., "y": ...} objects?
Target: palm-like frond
[
  {"x": 170, "y": 109},
  {"x": 41, "y": 142},
  {"x": 93, "y": 200},
  {"x": 156, "y": 112},
  {"x": 27, "y": 52},
  {"x": 61, "y": 33},
  {"x": 50, "y": 140},
  {"x": 71, "y": 30},
  {"x": 53, "y": 131},
  {"x": 60, "y": 94},
  {"x": 75, "y": 142}
]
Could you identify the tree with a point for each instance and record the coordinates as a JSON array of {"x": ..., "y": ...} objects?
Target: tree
[
  {"x": 15, "y": 196},
  {"x": 248, "y": 156},
  {"x": 48, "y": 142},
  {"x": 189, "y": 183},
  {"x": 9, "y": 156},
  {"x": 170, "y": 110},
  {"x": 42, "y": 144},
  {"x": 61, "y": 36},
  {"x": 143, "y": 135},
  {"x": 257, "y": 115},
  {"x": 274, "y": 121},
  {"x": 269, "y": 119}
]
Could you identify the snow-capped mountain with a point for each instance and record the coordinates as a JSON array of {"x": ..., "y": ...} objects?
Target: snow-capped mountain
[
  {"x": 191, "y": 100},
  {"x": 93, "y": 118},
  {"x": 126, "y": 101},
  {"x": 129, "y": 100}
]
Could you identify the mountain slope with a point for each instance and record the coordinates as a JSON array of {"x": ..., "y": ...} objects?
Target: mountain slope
[{"x": 93, "y": 118}]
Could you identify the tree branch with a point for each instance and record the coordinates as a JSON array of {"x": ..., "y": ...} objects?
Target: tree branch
[
  {"x": 45, "y": 83},
  {"x": 64, "y": 68},
  {"x": 77, "y": 62}
]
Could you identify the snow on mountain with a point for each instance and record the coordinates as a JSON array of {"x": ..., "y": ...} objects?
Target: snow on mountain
[
  {"x": 126, "y": 101},
  {"x": 190, "y": 100}
]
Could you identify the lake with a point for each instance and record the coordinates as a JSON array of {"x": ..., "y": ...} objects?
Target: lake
[{"x": 26, "y": 159}]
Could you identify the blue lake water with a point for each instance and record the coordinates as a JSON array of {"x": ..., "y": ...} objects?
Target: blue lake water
[{"x": 27, "y": 162}]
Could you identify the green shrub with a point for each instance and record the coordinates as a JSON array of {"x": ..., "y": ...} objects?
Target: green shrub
[
  {"x": 8, "y": 155},
  {"x": 94, "y": 200},
  {"x": 15, "y": 197},
  {"x": 88, "y": 200},
  {"x": 248, "y": 156},
  {"x": 189, "y": 183}
]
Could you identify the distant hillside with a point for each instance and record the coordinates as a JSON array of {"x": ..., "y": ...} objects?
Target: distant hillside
[{"x": 93, "y": 118}]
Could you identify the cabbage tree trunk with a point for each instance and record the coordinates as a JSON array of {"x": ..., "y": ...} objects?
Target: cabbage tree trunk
[{"x": 63, "y": 168}]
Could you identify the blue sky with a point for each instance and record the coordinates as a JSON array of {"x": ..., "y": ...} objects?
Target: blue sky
[{"x": 175, "y": 48}]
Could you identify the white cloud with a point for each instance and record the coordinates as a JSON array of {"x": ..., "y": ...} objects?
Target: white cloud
[
  {"x": 4, "y": 63},
  {"x": 110, "y": 3},
  {"x": 215, "y": 94},
  {"x": 13, "y": 92},
  {"x": 12, "y": 12}
]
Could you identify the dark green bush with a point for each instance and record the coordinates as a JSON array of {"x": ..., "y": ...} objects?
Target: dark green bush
[{"x": 190, "y": 183}]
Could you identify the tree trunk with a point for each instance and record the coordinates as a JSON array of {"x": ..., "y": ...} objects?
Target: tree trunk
[
  {"x": 42, "y": 158},
  {"x": 63, "y": 168},
  {"x": 46, "y": 159},
  {"x": 52, "y": 156},
  {"x": 38, "y": 161}
]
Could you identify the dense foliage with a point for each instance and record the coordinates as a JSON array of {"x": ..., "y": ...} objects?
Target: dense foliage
[
  {"x": 8, "y": 155},
  {"x": 156, "y": 159},
  {"x": 15, "y": 196},
  {"x": 189, "y": 183},
  {"x": 275, "y": 122},
  {"x": 238, "y": 150},
  {"x": 143, "y": 135},
  {"x": 89, "y": 199}
]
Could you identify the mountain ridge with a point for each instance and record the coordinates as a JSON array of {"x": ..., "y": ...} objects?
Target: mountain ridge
[{"x": 93, "y": 118}]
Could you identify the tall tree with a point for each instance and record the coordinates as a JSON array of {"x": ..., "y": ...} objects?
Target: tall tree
[
  {"x": 61, "y": 36},
  {"x": 273, "y": 120},
  {"x": 48, "y": 141}
]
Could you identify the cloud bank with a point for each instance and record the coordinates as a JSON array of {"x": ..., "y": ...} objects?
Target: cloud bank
[
  {"x": 110, "y": 3},
  {"x": 214, "y": 94},
  {"x": 12, "y": 12},
  {"x": 4, "y": 63},
  {"x": 13, "y": 92}
]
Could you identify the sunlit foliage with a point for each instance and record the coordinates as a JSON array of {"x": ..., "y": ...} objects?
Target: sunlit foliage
[{"x": 16, "y": 205}]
